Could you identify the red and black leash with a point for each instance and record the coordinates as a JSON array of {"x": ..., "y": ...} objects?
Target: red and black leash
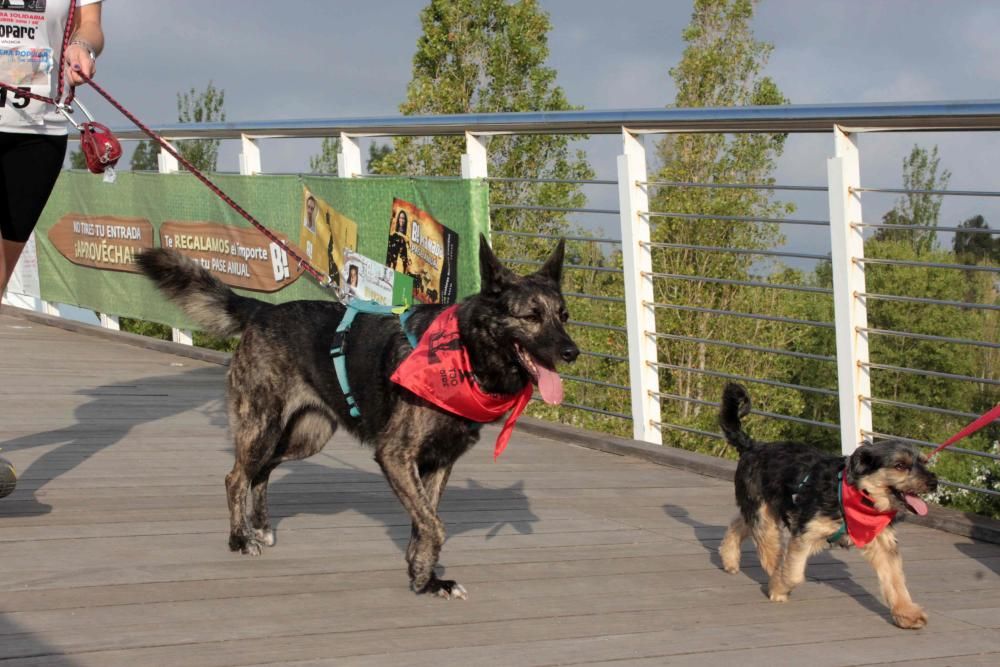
[
  {"x": 64, "y": 106},
  {"x": 324, "y": 280}
]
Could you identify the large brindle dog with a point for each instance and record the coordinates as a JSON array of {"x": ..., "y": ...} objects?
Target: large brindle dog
[{"x": 285, "y": 401}]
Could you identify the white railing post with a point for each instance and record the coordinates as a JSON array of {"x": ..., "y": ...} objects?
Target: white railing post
[
  {"x": 850, "y": 310},
  {"x": 250, "y": 157},
  {"x": 474, "y": 163},
  {"x": 168, "y": 164},
  {"x": 110, "y": 322},
  {"x": 349, "y": 158},
  {"x": 633, "y": 200}
]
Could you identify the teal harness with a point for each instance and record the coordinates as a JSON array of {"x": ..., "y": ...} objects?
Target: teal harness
[
  {"x": 833, "y": 539},
  {"x": 354, "y": 307}
]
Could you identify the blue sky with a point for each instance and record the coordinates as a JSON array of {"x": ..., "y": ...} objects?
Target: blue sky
[{"x": 314, "y": 59}]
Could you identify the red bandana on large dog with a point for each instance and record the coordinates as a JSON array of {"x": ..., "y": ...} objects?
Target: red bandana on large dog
[
  {"x": 438, "y": 371},
  {"x": 864, "y": 522}
]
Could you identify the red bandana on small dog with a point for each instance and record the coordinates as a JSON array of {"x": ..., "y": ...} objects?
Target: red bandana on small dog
[
  {"x": 438, "y": 371},
  {"x": 864, "y": 522}
]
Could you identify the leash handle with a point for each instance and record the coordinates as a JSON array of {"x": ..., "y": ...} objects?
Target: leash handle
[{"x": 976, "y": 425}]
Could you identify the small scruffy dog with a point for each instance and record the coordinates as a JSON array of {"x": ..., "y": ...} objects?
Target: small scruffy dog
[{"x": 809, "y": 492}]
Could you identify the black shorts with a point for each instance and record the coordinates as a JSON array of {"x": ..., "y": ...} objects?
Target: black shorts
[{"x": 29, "y": 167}]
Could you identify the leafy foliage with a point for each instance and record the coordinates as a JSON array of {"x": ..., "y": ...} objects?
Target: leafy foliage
[
  {"x": 144, "y": 157},
  {"x": 326, "y": 161},
  {"x": 203, "y": 107},
  {"x": 480, "y": 56},
  {"x": 77, "y": 160},
  {"x": 721, "y": 66}
]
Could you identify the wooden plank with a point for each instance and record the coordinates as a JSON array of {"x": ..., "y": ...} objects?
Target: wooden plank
[{"x": 113, "y": 547}]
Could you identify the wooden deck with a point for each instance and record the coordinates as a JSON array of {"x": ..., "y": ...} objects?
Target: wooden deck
[{"x": 113, "y": 548}]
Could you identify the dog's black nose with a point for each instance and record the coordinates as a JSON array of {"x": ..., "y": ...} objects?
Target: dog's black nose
[{"x": 570, "y": 353}]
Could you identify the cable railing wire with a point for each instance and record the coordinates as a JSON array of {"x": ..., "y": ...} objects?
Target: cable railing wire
[
  {"x": 732, "y": 218},
  {"x": 929, "y": 337},
  {"x": 935, "y": 228},
  {"x": 742, "y": 346},
  {"x": 554, "y": 209},
  {"x": 771, "y": 415},
  {"x": 739, "y": 314},
  {"x": 930, "y": 445},
  {"x": 741, "y": 283},
  {"x": 734, "y": 251},
  {"x": 919, "y": 408},
  {"x": 742, "y": 378},
  {"x": 927, "y": 373},
  {"x": 925, "y": 265},
  {"x": 555, "y": 237},
  {"x": 927, "y": 302},
  {"x": 925, "y": 191},
  {"x": 734, "y": 186}
]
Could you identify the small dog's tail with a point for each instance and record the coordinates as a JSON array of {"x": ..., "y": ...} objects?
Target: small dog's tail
[
  {"x": 735, "y": 406},
  {"x": 204, "y": 298}
]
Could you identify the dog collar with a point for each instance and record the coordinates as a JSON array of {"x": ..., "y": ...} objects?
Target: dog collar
[
  {"x": 862, "y": 521},
  {"x": 439, "y": 371}
]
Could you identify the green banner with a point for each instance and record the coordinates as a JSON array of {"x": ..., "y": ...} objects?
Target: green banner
[{"x": 375, "y": 236}]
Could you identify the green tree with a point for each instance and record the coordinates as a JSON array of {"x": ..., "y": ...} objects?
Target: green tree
[
  {"x": 378, "y": 154},
  {"x": 77, "y": 160},
  {"x": 721, "y": 66},
  {"x": 203, "y": 107},
  {"x": 919, "y": 208},
  {"x": 326, "y": 161},
  {"x": 976, "y": 245},
  {"x": 144, "y": 157},
  {"x": 480, "y": 56}
]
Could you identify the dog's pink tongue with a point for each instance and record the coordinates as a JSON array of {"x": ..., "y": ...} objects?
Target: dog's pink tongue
[
  {"x": 549, "y": 385},
  {"x": 915, "y": 503}
]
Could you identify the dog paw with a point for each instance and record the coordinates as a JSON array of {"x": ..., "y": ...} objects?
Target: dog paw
[
  {"x": 249, "y": 546},
  {"x": 265, "y": 537},
  {"x": 910, "y": 618},
  {"x": 445, "y": 588},
  {"x": 731, "y": 569},
  {"x": 777, "y": 597}
]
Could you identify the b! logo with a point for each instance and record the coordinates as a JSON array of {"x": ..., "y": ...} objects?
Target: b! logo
[{"x": 279, "y": 262}]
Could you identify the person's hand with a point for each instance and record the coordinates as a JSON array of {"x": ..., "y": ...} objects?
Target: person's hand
[{"x": 79, "y": 58}]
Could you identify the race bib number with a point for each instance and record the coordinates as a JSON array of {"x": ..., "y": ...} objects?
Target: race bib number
[{"x": 28, "y": 69}]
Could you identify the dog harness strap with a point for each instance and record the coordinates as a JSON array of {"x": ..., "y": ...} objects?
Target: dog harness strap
[
  {"x": 833, "y": 539},
  {"x": 340, "y": 338},
  {"x": 340, "y": 361}
]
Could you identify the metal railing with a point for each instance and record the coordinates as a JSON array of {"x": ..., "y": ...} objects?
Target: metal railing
[{"x": 635, "y": 318}]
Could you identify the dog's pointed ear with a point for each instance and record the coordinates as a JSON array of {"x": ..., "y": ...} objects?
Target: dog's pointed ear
[
  {"x": 494, "y": 276},
  {"x": 861, "y": 463},
  {"x": 554, "y": 264}
]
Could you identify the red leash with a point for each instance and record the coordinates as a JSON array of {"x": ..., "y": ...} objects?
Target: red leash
[
  {"x": 102, "y": 149},
  {"x": 324, "y": 281},
  {"x": 978, "y": 424}
]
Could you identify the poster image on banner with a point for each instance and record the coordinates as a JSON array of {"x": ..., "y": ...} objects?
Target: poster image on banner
[
  {"x": 325, "y": 234},
  {"x": 238, "y": 256},
  {"x": 424, "y": 249},
  {"x": 364, "y": 278}
]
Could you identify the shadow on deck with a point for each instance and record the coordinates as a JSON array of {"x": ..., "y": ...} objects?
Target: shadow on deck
[{"x": 113, "y": 547}]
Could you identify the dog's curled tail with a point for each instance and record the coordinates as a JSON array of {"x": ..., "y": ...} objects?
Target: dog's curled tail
[
  {"x": 203, "y": 297},
  {"x": 735, "y": 406}
]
